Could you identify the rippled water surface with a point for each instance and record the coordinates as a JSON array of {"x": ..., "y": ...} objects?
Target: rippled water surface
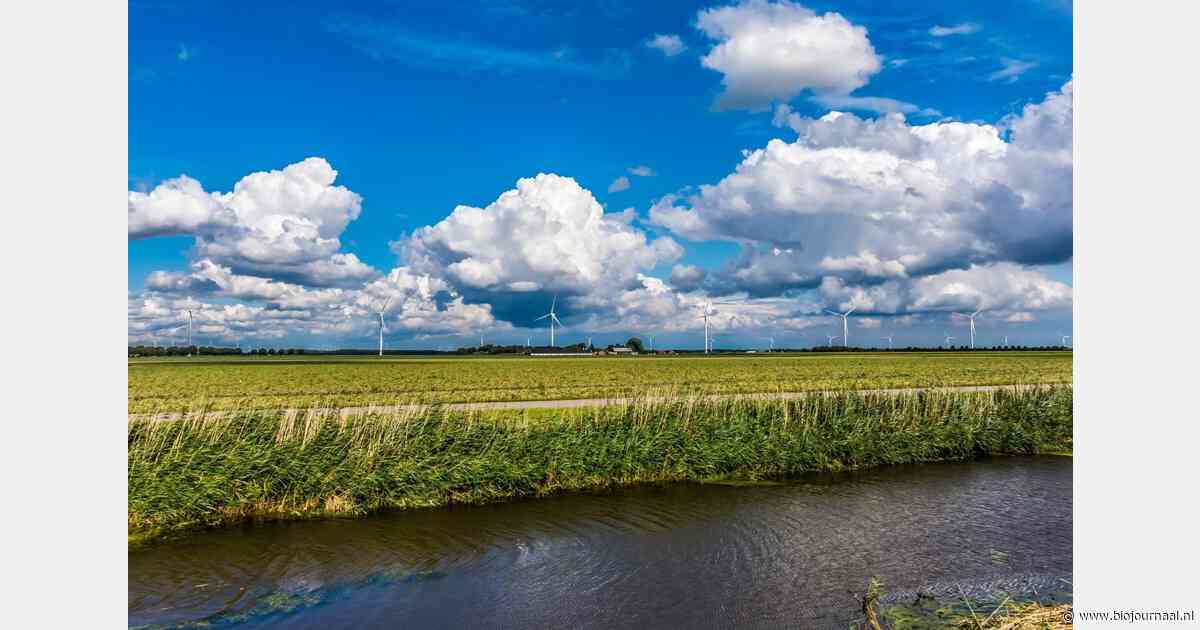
[{"x": 672, "y": 556}]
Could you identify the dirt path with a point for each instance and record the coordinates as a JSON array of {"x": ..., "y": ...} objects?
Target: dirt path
[{"x": 587, "y": 402}]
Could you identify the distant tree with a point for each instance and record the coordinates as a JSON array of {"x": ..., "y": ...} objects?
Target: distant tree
[{"x": 634, "y": 344}]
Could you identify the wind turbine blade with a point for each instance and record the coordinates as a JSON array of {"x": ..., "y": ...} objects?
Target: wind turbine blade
[
  {"x": 851, "y": 310},
  {"x": 542, "y": 317},
  {"x": 557, "y": 321},
  {"x": 832, "y": 313},
  {"x": 553, "y": 303}
]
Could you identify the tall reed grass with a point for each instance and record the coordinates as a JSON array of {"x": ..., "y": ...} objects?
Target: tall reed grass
[{"x": 208, "y": 471}]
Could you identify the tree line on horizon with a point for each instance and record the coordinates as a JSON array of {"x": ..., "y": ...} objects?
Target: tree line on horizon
[{"x": 634, "y": 344}]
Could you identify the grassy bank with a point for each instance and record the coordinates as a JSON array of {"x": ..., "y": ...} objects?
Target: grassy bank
[
  {"x": 188, "y": 474},
  {"x": 1031, "y": 611}
]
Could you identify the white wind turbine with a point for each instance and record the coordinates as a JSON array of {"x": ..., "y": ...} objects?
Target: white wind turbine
[
  {"x": 845, "y": 325},
  {"x": 948, "y": 339},
  {"x": 831, "y": 338},
  {"x": 889, "y": 340},
  {"x": 383, "y": 308},
  {"x": 771, "y": 348},
  {"x": 189, "y": 329},
  {"x": 707, "y": 309},
  {"x": 1005, "y": 341},
  {"x": 1064, "y": 340},
  {"x": 651, "y": 337},
  {"x": 553, "y": 319},
  {"x": 971, "y": 317},
  {"x": 589, "y": 346}
]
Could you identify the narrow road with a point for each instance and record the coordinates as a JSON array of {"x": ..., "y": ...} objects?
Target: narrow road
[{"x": 587, "y": 402}]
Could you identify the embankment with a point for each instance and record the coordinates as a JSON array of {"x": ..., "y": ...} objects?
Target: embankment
[{"x": 187, "y": 474}]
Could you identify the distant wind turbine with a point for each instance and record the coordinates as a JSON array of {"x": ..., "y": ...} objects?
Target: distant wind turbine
[
  {"x": 845, "y": 325},
  {"x": 1064, "y": 340},
  {"x": 971, "y": 317},
  {"x": 1005, "y": 341},
  {"x": 831, "y": 338},
  {"x": 889, "y": 340},
  {"x": 705, "y": 311},
  {"x": 189, "y": 328},
  {"x": 772, "y": 346},
  {"x": 383, "y": 308},
  {"x": 651, "y": 341},
  {"x": 948, "y": 340},
  {"x": 553, "y": 319}
]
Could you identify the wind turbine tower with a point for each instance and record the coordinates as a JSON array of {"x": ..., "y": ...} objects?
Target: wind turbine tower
[
  {"x": 189, "y": 327},
  {"x": 971, "y": 317},
  {"x": 704, "y": 309},
  {"x": 889, "y": 340},
  {"x": 380, "y": 314},
  {"x": 845, "y": 325},
  {"x": 553, "y": 319}
]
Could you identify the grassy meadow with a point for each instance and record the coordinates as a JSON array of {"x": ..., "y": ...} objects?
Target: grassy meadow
[
  {"x": 302, "y": 382},
  {"x": 188, "y": 473}
]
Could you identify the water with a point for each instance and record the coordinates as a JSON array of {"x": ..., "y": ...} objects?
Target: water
[{"x": 671, "y": 556}]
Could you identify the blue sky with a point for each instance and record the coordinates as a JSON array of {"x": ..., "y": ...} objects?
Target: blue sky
[{"x": 420, "y": 109}]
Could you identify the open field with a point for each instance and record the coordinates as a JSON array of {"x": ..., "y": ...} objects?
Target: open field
[
  {"x": 162, "y": 385},
  {"x": 200, "y": 473}
]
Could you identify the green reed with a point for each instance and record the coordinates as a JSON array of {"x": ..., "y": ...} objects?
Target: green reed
[{"x": 203, "y": 471}]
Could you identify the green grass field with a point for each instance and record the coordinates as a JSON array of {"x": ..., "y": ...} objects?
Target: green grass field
[{"x": 157, "y": 385}]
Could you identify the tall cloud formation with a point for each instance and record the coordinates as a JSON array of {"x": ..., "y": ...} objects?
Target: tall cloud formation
[
  {"x": 271, "y": 247},
  {"x": 547, "y": 234},
  {"x": 281, "y": 224},
  {"x": 869, "y": 200},
  {"x": 773, "y": 51}
]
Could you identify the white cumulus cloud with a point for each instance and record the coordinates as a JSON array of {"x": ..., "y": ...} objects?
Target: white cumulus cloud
[
  {"x": 773, "y": 51},
  {"x": 283, "y": 224},
  {"x": 548, "y": 234},
  {"x": 878, "y": 198}
]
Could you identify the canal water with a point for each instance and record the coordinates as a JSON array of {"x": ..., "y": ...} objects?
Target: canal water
[{"x": 796, "y": 554}]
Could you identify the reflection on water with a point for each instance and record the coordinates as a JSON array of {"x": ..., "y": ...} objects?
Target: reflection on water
[{"x": 682, "y": 555}]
